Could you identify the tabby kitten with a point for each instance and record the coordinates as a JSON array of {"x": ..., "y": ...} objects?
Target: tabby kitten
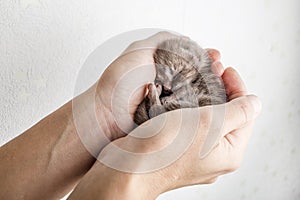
[{"x": 183, "y": 80}]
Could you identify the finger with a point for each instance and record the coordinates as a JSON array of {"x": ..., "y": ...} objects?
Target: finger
[
  {"x": 240, "y": 111},
  {"x": 233, "y": 83},
  {"x": 234, "y": 144},
  {"x": 151, "y": 42},
  {"x": 217, "y": 68},
  {"x": 214, "y": 54},
  {"x": 225, "y": 118},
  {"x": 239, "y": 138}
]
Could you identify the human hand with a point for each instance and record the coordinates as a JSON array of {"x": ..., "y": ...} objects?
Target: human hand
[
  {"x": 120, "y": 90},
  {"x": 123, "y": 85},
  {"x": 189, "y": 169}
]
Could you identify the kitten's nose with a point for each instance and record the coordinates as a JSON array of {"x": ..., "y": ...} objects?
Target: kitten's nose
[{"x": 167, "y": 90}]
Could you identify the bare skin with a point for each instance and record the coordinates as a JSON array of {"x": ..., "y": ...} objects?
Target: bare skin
[
  {"x": 49, "y": 159},
  {"x": 189, "y": 169}
]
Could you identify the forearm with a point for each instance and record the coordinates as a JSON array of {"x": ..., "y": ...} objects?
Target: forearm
[
  {"x": 104, "y": 183},
  {"x": 46, "y": 161}
]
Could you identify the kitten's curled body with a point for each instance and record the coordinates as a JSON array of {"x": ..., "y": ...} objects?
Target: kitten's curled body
[{"x": 183, "y": 80}]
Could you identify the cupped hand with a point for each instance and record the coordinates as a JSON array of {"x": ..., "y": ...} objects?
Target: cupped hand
[
  {"x": 105, "y": 111},
  {"x": 189, "y": 160},
  {"x": 123, "y": 85},
  {"x": 190, "y": 167}
]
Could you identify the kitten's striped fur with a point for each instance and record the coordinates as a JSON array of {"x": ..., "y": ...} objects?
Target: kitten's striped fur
[{"x": 183, "y": 80}]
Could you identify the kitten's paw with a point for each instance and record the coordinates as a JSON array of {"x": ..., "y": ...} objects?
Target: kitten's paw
[
  {"x": 156, "y": 110},
  {"x": 153, "y": 94}
]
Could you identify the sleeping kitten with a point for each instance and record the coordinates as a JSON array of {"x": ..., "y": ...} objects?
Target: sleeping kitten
[{"x": 183, "y": 80}]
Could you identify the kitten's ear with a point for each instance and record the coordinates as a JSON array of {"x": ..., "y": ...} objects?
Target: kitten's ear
[{"x": 151, "y": 42}]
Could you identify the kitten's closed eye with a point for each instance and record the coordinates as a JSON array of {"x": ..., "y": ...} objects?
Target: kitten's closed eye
[{"x": 183, "y": 70}]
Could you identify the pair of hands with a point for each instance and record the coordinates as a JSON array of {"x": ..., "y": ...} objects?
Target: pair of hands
[{"x": 201, "y": 143}]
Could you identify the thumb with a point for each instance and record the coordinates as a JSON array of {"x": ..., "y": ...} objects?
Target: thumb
[{"x": 239, "y": 111}]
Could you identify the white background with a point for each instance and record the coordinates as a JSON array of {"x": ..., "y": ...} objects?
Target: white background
[{"x": 43, "y": 45}]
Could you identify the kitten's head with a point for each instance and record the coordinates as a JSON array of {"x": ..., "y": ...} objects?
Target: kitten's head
[
  {"x": 175, "y": 63},
  {"x": 178, "y": 65},
  {"x": 174, "y": 83}
]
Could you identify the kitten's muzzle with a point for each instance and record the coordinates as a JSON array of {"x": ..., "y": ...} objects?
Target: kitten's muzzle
[{"x": 166, "y": 91}]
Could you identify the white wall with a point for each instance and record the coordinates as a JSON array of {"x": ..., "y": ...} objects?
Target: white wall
[{"x": 44, "y": 43}]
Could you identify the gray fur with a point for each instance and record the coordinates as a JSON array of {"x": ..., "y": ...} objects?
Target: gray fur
[{"x": 183, "y": 80}]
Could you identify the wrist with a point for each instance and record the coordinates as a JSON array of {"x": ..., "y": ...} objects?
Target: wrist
[
  {"x": 92, "y": 121},
  {"x": 106, "y": 121},
  {"x": 102, "y": 182},
  {"x": 129, "y": 186}
]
